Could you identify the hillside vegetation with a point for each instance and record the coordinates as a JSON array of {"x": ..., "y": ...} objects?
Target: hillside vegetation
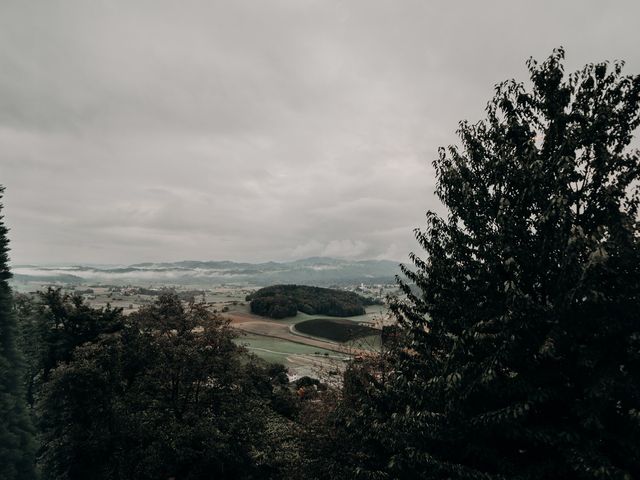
[{"x": 280, "y": 301}]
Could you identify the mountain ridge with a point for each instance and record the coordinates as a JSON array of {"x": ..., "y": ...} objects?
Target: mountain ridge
[{"x": 311, "y": 270}]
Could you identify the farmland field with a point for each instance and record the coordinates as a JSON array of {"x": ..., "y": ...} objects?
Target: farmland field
[
  {"x": 334, "y": 329},
  {"x": 272, "y": 340},
  {"x": 298, "y": 358},
  {"x": 276, "y": 350}
]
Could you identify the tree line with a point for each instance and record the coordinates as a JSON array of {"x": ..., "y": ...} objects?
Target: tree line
[{"x": 517, "y": 352}]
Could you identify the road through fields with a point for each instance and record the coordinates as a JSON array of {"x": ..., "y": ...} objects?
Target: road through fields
[{"x": 250, "y": 323}]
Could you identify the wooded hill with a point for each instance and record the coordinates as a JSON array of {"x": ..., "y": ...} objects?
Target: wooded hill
[{"x": 280, "y": 301}]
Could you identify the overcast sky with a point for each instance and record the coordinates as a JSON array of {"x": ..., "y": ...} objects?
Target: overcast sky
[{"x": 255, "y": 130}]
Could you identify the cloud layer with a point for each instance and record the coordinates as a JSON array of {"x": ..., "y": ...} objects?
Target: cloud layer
[{"x": 158, "y": 131}]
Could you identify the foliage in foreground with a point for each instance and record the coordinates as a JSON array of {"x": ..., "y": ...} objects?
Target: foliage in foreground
[
  {"x": 166, "y": 394},
  {"x": 522, "y": 357},
  {"x": 17, "y": 445},
  {"x": 51, "y": 327}
]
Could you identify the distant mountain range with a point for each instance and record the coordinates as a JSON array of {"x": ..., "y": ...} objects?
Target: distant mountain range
[{"x": 309, "y": 271}]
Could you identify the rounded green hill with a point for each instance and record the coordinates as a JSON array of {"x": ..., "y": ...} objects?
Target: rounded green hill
[{"x": 281, "y": 301}]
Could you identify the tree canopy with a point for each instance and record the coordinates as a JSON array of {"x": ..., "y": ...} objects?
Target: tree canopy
[
  {"x": 170, "y": 395},
  {"x": 280, "y": 301},
  {"x": 522, "y": 351}
]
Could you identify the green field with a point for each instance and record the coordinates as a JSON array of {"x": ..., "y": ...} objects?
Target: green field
[{"x": 277, "y": 350}]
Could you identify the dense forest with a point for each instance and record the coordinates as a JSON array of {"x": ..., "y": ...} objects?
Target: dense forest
[
  {"x": 517, "y": 352},
  {"x": 280, "y": 301}
]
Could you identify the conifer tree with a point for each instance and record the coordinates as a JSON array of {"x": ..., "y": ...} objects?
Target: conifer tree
[{"x": 16, "y": 433}]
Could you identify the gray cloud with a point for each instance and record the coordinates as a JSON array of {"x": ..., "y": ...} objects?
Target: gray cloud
[{"x": 157, "y": 130}]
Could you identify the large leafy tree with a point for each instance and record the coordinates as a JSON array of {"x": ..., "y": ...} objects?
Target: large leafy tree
[
  {"x": 168, "y": 396},
  {"x": 522, "y": 316},
  {"x": 17, "y": 445},
  {"x": 51, "y": 326}
]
